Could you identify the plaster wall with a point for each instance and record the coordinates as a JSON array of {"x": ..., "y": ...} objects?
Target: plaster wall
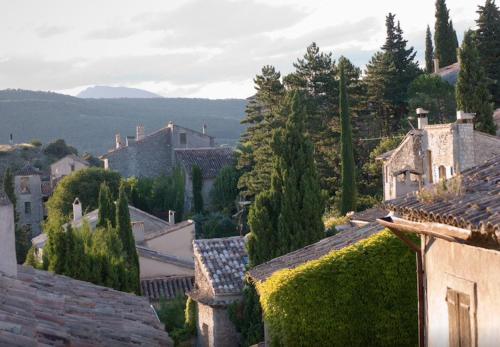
[
  {"x": 178, "y": 243},
  {"x": 151, "y": 268}
]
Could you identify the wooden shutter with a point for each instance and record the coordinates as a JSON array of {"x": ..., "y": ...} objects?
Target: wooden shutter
[{"x": 459, "y": 319}]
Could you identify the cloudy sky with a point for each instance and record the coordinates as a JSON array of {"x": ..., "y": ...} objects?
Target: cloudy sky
[{"x": 193, "y": 48}]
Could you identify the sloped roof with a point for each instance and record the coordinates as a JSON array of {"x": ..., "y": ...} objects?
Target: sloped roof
[
  {"x": 369, "y": 215},
  {"x": 39, "y": 308},
  {"x": 223, "y": 262},
  {"x": 449, "y": 73},
  {"x": 46, "y": 188},
  {"x": 28, "y": 170},
  {"x": 315, "y": 251},
  {"x": 75, "y": 158},
  {"x": 209, "y": 160},
  {"x": 477, "y": 209},
  {"x": 168, "y": 287},
  {"x": 149, "y": 253}
]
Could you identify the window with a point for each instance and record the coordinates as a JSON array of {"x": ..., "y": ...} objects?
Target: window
[
  {"x": 72, "y": 167},
  {"x": 27, "y": 207},
  {"x": 459, "y": 318},
  {"x": 429, "y": 166},
  {"x": 442, "y": 173},
  {"x": 25, "y": 185},
  {"x": 183, "y": 138}
]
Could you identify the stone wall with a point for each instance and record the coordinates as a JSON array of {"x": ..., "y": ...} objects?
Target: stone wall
[
  {"x": 194, "y": 139},
  {"x": 205, "y": 326},
  {"x": 464, "y": 146},
  {"x": 63, "y": 168},
  {"x": 208, "y": 184},
  {"x": 485, "y": 147},
  {"x": 8, "y": 264},
  {"x": 34, "y": 198},
  {"x": 439, "y": 140}
]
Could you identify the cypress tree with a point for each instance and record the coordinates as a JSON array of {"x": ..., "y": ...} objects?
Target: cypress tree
[
  {"x": 429, "y": 51},
  {"x": 488, "y": 45},
  {"x": 445, "y": 42},
  {"x": 288, "y": 215},
  {"x": 348, "y": 197},
  {"x": 197, "y": 181},
  {"x": 124, "y": 229},
  {"x": 106, "y": 207},
  {"x": 472, "y": 92}
]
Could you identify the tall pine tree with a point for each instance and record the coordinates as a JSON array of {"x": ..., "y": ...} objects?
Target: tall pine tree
[
  {"x": 472, "y": 92},
  {"x": 288, "y": 215},
  {"x": 348, "y": 195},
  {"x": 429, "y": 51},
  {"x": 488, "y": 45},
  {"x": 445, "y": 42},
  {"x": 106, "y": 207},
  {"x": 197, "y": 183}
]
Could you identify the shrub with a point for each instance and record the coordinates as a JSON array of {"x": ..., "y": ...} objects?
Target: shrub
[
  {"x": 363, "y": 295},
  {"x": 442, "y": 191}
]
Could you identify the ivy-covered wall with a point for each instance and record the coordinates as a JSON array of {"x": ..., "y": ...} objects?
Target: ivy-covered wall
[{"x": 362, "y": 295}]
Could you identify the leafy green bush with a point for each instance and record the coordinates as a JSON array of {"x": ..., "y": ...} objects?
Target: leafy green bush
[{"x": 363, "y": 295}]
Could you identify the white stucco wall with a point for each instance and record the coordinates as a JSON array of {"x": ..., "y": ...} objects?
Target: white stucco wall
[
  {"x": 178, "y": 243},
  {"x": 8, "y": 264},
  {"x": 150, "y": 268},
  {"x": 467, "y": 269},
  {"x": 63, "y": 168}
]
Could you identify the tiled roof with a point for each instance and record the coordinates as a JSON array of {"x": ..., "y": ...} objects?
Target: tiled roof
[
  {"x": 165, "y": 131},
  {"x": 449, "y": 73},
  {"x": 314, "y": 251},
  {"x": 171, "y": 228},
  {"x": 46, "y": 188},
  {"x": 477, "y": 209},
  {"x": 369, "y": 215},
  {"x": 209, "y": 160},
  {"x": 75, "y": 158},
  {"x": 223, "y": 262},
  {"x": 167, "y": 287},
  {"x": 162, "y": 257},
  {"x": 39, "y": 308},
  {"x": 28, "y": 170}
]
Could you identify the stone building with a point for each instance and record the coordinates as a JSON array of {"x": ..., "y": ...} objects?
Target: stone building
[
  {"x": 152, "y": 155},
  {"x": 29, "y": 206},
  {"x": 210, "y": 161},
  {"x": 219, "y": 275},
  {"x": 66, "y": 166},
  {"x": 458, "y": 258},
  {"x": 435, "y": 152},
  {"x": 164, "y": 248},
  {"x": 39, "y": 308}
]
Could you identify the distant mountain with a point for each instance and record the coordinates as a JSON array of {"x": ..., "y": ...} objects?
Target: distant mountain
[
  {"x": 90, "y": 125},
  {"x": 105, "y": 92}
]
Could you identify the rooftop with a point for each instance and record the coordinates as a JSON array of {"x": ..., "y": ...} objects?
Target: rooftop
[
  {"x": 315, "y": 251},
  {"x": 75, "y": 158},
  {"x": 28, "y": 170},
  {"x": 449, "y": 73},
  {"x": 39, "y": 308},
  {"x": 149, "y": 253},
  {"x": 167, "y": 288},
  {"x": 209, "y": 160}
]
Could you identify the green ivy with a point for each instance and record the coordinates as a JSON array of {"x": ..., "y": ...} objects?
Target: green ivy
[{"x": 362, "y": 295}]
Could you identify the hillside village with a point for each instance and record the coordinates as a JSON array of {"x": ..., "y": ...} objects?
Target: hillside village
[{"x": 359, "y": 208}]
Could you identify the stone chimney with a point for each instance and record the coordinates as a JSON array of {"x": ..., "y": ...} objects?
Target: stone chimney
[
  {"x": 8, "y": 262},
  {"x": 171, "y": 217},
  {"x": 464, "y": 141},
  {"x": 436, "y": 65},
  {"x": 118, "y": 141},
  {"x": 138, "y": 231},
  {"x": 11, "y": 139},
  {"x": 204, "y": 128},
  {"x": 77, "y": 210},
  {"x": 139, "y": 132},
  {"x": 422, "y": 117}
]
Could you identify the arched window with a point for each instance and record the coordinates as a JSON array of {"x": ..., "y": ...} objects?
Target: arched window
[{"x": 442, "y": 172}]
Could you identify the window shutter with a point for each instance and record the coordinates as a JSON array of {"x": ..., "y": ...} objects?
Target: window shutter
[
  {"x": 452, "y": 300},
  {"x": 459, "y": 319},
  {"x": 464, "y": 319}
]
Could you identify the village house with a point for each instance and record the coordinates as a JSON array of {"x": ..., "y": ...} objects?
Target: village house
[
  {"x": 40, "y": 308},
  {"x": 458, "y": 257},
  {"x": 29, "y": 195},
  {"x": 220, "y": 266},
  {"x": 435, "y": 152},
  {"x": 66, "y": 166},
  {"x": 164, "y": 248}
]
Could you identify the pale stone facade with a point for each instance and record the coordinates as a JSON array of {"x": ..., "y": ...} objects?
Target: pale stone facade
[
  {"x": 66, "y": 166},
  {"x": 29, "y": 205}
]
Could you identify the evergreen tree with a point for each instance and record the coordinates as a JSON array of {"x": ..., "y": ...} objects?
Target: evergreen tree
[
  {"x": 445, "y": 42},
  {"x": 348, "y": 197},
  {"x": 429, "y": 51},
  {"x": 106, "y": 207},
  {"x": 262, "y": 116},
  {"x": 454, "y": 36},
  {"x": 472, "y": 92},
  {"x": 124, "y": 229},
  {"x": 488, "y": 45},
  {"x": 288, "y": 215},
  {"x": 197, "y": 182}
]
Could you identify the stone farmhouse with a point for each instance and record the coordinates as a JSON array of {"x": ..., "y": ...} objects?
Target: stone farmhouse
[
  {"x": 66, "y": 166},
  {"x": 219, "y": 278},
  {"x": 457, "y": 259},
  {"x": 164, "y": 248},
  {"x": 38, "y": 308},
  {"x": 435, "y": 152}
]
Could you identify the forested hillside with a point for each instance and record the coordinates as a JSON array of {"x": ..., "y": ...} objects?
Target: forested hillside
[{"x": 90, "y": 124}]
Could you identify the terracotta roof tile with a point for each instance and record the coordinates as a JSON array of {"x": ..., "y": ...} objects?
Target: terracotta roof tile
[
  {"x": 166, "y": 287},
  {"x": 209, "y": 160}
]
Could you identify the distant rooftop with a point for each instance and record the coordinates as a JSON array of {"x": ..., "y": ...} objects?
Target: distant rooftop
[{"x": 209, "y": 160}]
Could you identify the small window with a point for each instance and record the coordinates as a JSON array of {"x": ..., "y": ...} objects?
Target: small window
[
  {"x": 183, "y": 138},
  {"x": 72, "y": 167},
  {"x": 27, "y": 207},
  {"x": 25, "y": 185},
  {"x": 459, "y": 318},
  {"x": 442, "y": 173}
]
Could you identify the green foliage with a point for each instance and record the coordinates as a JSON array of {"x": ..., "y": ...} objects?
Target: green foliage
[
  {"x": 348, "y": 197},
  {"x": 362, "y": 295},
  {"x": 472, "y": 88},
  {"x": 429, "y": 52},
  {"x": 488, "y": 45},
  {"x": 190, "y": 314},
  {"x": 288, "y": 215},
  {"x": 214, "y": 225},
  {"x": 106, "y": 207},
  {"x": 445, "y": 37},
  {"x": 59, "y": 149},
  {"x": 197, "y": 180},
  {"x": 36, "y": 143},
  {"x": 85, "y": 185},
  {"x": 179, "y": 317},
  {"x": 435, "y": 95},
  {"x": 225, "y": 190},
  {"x": 9, "y": 187}
]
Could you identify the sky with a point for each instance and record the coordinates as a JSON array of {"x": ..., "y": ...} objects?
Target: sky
[{"x": 194, "y": 48}]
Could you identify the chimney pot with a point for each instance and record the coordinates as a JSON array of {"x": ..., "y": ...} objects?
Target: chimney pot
[
  {"x": 171, "y": 217},
  {"x": 118, "y": 141},
  {"x": 463, "y": 117},
  {"x": 422, "y": 117},
  {"x": 139, "y": 132},
  {"x": 204, "y": 128}
]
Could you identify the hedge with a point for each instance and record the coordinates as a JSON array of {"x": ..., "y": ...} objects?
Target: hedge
[{"x": 362, "y": 295}]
